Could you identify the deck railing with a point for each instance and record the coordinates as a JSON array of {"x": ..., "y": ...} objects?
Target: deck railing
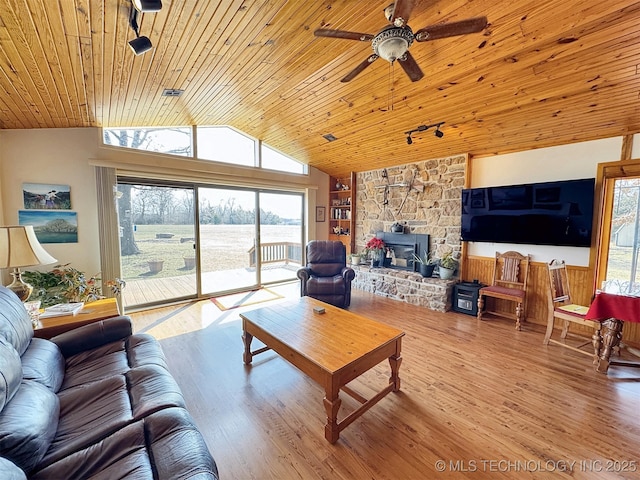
[{"x": 277, "y": 252}]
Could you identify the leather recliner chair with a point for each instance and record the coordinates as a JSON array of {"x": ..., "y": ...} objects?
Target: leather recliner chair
[{"x": 326, "y": 276}]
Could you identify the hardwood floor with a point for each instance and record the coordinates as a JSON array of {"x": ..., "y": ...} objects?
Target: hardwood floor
[{"x": 487, "y": 401}]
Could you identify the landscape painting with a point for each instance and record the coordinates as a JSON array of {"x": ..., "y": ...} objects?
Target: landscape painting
[
  {"x": 51, "y": 227},
  {"x": 44, "y": 196}
]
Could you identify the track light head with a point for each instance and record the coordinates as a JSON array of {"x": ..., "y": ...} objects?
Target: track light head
[
  {"x": 409, "y": 140},
  {"x": 140, "y": 45},
  {"x": 147, "y": 5},
  {"x": 439, "y": 133}
]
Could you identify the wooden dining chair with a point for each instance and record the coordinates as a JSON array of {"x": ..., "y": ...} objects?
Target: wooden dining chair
[
  {"x": 510, "y": 275},
  {"x": 562, "y": 307}
]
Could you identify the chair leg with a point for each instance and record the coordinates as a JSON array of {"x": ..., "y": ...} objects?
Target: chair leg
[
  {"x": 550, "y": 324},
  {"x": 518, "y": 316},
  {"x": 565, "y": 329},
  {"x": 480, "y": 306}
]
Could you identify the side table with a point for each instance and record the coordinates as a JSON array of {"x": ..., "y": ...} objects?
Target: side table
[{"x": 92, "y": 312}]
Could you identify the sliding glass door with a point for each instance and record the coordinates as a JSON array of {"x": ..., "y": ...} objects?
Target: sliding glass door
[
  {"x": 227, "y": 226},
  {"x": 157, "y": 239},
  {"x": 180, "y": 242},
  {"x": 280, "y": 236}
]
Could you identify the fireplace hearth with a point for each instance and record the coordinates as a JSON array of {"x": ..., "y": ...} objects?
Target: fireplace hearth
[{"x": 403, "y": 246}]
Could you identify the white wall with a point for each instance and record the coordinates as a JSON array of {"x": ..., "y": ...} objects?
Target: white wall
[
  {"x": 56, "y": 156},
  {"x": 564, "y": 162}
]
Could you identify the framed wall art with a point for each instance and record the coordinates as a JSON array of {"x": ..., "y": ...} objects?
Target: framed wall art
[
  {"x": 46, "y": 196},
  {"x": 51, "y": 226}
]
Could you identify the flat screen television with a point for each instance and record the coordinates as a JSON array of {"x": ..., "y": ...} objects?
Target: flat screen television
[{"x": 550, "y": 213}]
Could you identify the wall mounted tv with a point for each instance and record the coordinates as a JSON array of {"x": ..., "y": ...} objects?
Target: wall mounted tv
[{"x": 551, "y": 213}]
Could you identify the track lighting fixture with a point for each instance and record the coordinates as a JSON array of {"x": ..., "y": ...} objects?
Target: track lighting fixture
[
  {"x": 147, "y": 5},
  {"x": 423, "y": 128},
  {"x": 141, "y": 44}
]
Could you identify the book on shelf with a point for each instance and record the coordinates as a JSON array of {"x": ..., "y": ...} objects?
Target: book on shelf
[{"x": 61, "y": 309}]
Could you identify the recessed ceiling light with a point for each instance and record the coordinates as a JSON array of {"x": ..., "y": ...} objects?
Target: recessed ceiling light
[{"x": 329, "y": 137}]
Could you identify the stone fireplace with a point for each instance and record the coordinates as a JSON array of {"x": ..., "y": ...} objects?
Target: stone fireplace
[{"x": 425, "y": 198}]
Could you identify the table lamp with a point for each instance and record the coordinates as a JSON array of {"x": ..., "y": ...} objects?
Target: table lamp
[{"x": 19, "y": 247}]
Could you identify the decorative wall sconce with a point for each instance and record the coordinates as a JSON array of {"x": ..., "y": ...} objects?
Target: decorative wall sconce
[
  {"x": 140, "y": 45},
  {"x": 423, "y": 128}
]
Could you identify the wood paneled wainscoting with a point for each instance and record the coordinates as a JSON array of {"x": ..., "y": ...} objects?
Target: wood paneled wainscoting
[{"x": 536, "y": 310}]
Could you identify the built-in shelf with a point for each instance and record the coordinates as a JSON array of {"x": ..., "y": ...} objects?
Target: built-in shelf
[{"x": 341, "y": 210}]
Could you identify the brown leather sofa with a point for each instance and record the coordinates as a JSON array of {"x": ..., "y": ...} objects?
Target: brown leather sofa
[
  {"x": 326, "y": 276},
  {"x": 94, "y": 402}
]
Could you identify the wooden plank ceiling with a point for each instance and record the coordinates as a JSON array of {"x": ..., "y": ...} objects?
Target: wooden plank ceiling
[{"x": 543, "y": 72}]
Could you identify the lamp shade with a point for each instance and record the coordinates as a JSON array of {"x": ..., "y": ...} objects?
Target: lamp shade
[
  {"x": 147, "y": 5},
  {"x": 19, "y": 247}
]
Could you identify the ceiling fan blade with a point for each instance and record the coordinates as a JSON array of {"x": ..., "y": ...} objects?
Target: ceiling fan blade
[
  {"x": 363, "y": 37},
  {"x": 410, "y": 67},
  {"x": 402, "y": 12},
  {"x": 356, "y": 71},
  {"x": 434, "y": 32}
]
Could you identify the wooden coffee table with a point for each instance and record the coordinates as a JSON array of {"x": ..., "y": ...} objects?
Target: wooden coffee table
[{"x": 333, "y": 348}]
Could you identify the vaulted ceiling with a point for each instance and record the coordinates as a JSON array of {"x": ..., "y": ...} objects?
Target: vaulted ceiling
[{"x": 543, "y": 72}]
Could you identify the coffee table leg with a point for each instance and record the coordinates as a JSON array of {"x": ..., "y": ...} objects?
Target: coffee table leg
[
  {"x": 332, "y": 404},
  {"x": 395, "y": 362},
  {"x": 246, "y": 338}
]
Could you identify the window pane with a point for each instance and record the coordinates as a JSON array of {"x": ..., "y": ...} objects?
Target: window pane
[
  {"x": 172, "y": 140},
  {"x": 275, "y": 160},
  {"x": 622, "y": 262},
  {"x": 224, "y": 144}
]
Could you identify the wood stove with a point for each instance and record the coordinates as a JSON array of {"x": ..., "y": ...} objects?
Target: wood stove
[{"x": 402, "y": 247}]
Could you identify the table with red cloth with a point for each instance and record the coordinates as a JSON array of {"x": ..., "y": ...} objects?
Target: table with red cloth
[{"x": 612, "y": 311}]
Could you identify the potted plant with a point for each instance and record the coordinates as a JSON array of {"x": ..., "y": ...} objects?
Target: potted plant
[
  {"x": 63, "y": 284},
  {"x": 447, "y": 266},
  {"x": 356, "y": 258},
  {"x": 426, "y": 263},
  {"x": 375, "y": 247}
]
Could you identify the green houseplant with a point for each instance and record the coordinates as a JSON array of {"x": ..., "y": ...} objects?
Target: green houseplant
[
  {"x": 447, "y": 265},
  {"x": 426, "y": 263},
  {"x": 63, "y": 284}
]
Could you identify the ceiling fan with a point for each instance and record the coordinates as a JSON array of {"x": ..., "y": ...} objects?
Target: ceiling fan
[{"x": 393, "y": 41}]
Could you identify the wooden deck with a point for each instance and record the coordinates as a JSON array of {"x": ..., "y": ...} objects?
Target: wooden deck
[{"x": 149, "y": 291}]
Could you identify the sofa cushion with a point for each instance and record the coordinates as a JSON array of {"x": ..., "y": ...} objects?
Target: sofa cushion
[
  {"x": 165, "y": 445},
  {"x": 89, "y": 413},
  {"x": 43, "y": 363},
  {"x": 15, "y": 324},
  {"x": 93, "y": 411},
  {"x": 152, "y": 388},
  {"x": 28, "y": 424},
  {"x": 10, "y": 372},
  {"x": 115, "y": 358}
]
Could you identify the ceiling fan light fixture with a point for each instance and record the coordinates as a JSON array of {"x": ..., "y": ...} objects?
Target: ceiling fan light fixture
[
  {"x": 392, "y": 43},
  {"x": 147, "y": 5},
  {"x": 140, "y": 45}
]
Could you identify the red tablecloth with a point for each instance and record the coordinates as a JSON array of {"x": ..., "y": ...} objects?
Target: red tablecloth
[{"x": 608, "y": 305}]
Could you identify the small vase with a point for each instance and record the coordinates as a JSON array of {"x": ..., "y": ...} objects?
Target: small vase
[{"x": 376, "y": 258}]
